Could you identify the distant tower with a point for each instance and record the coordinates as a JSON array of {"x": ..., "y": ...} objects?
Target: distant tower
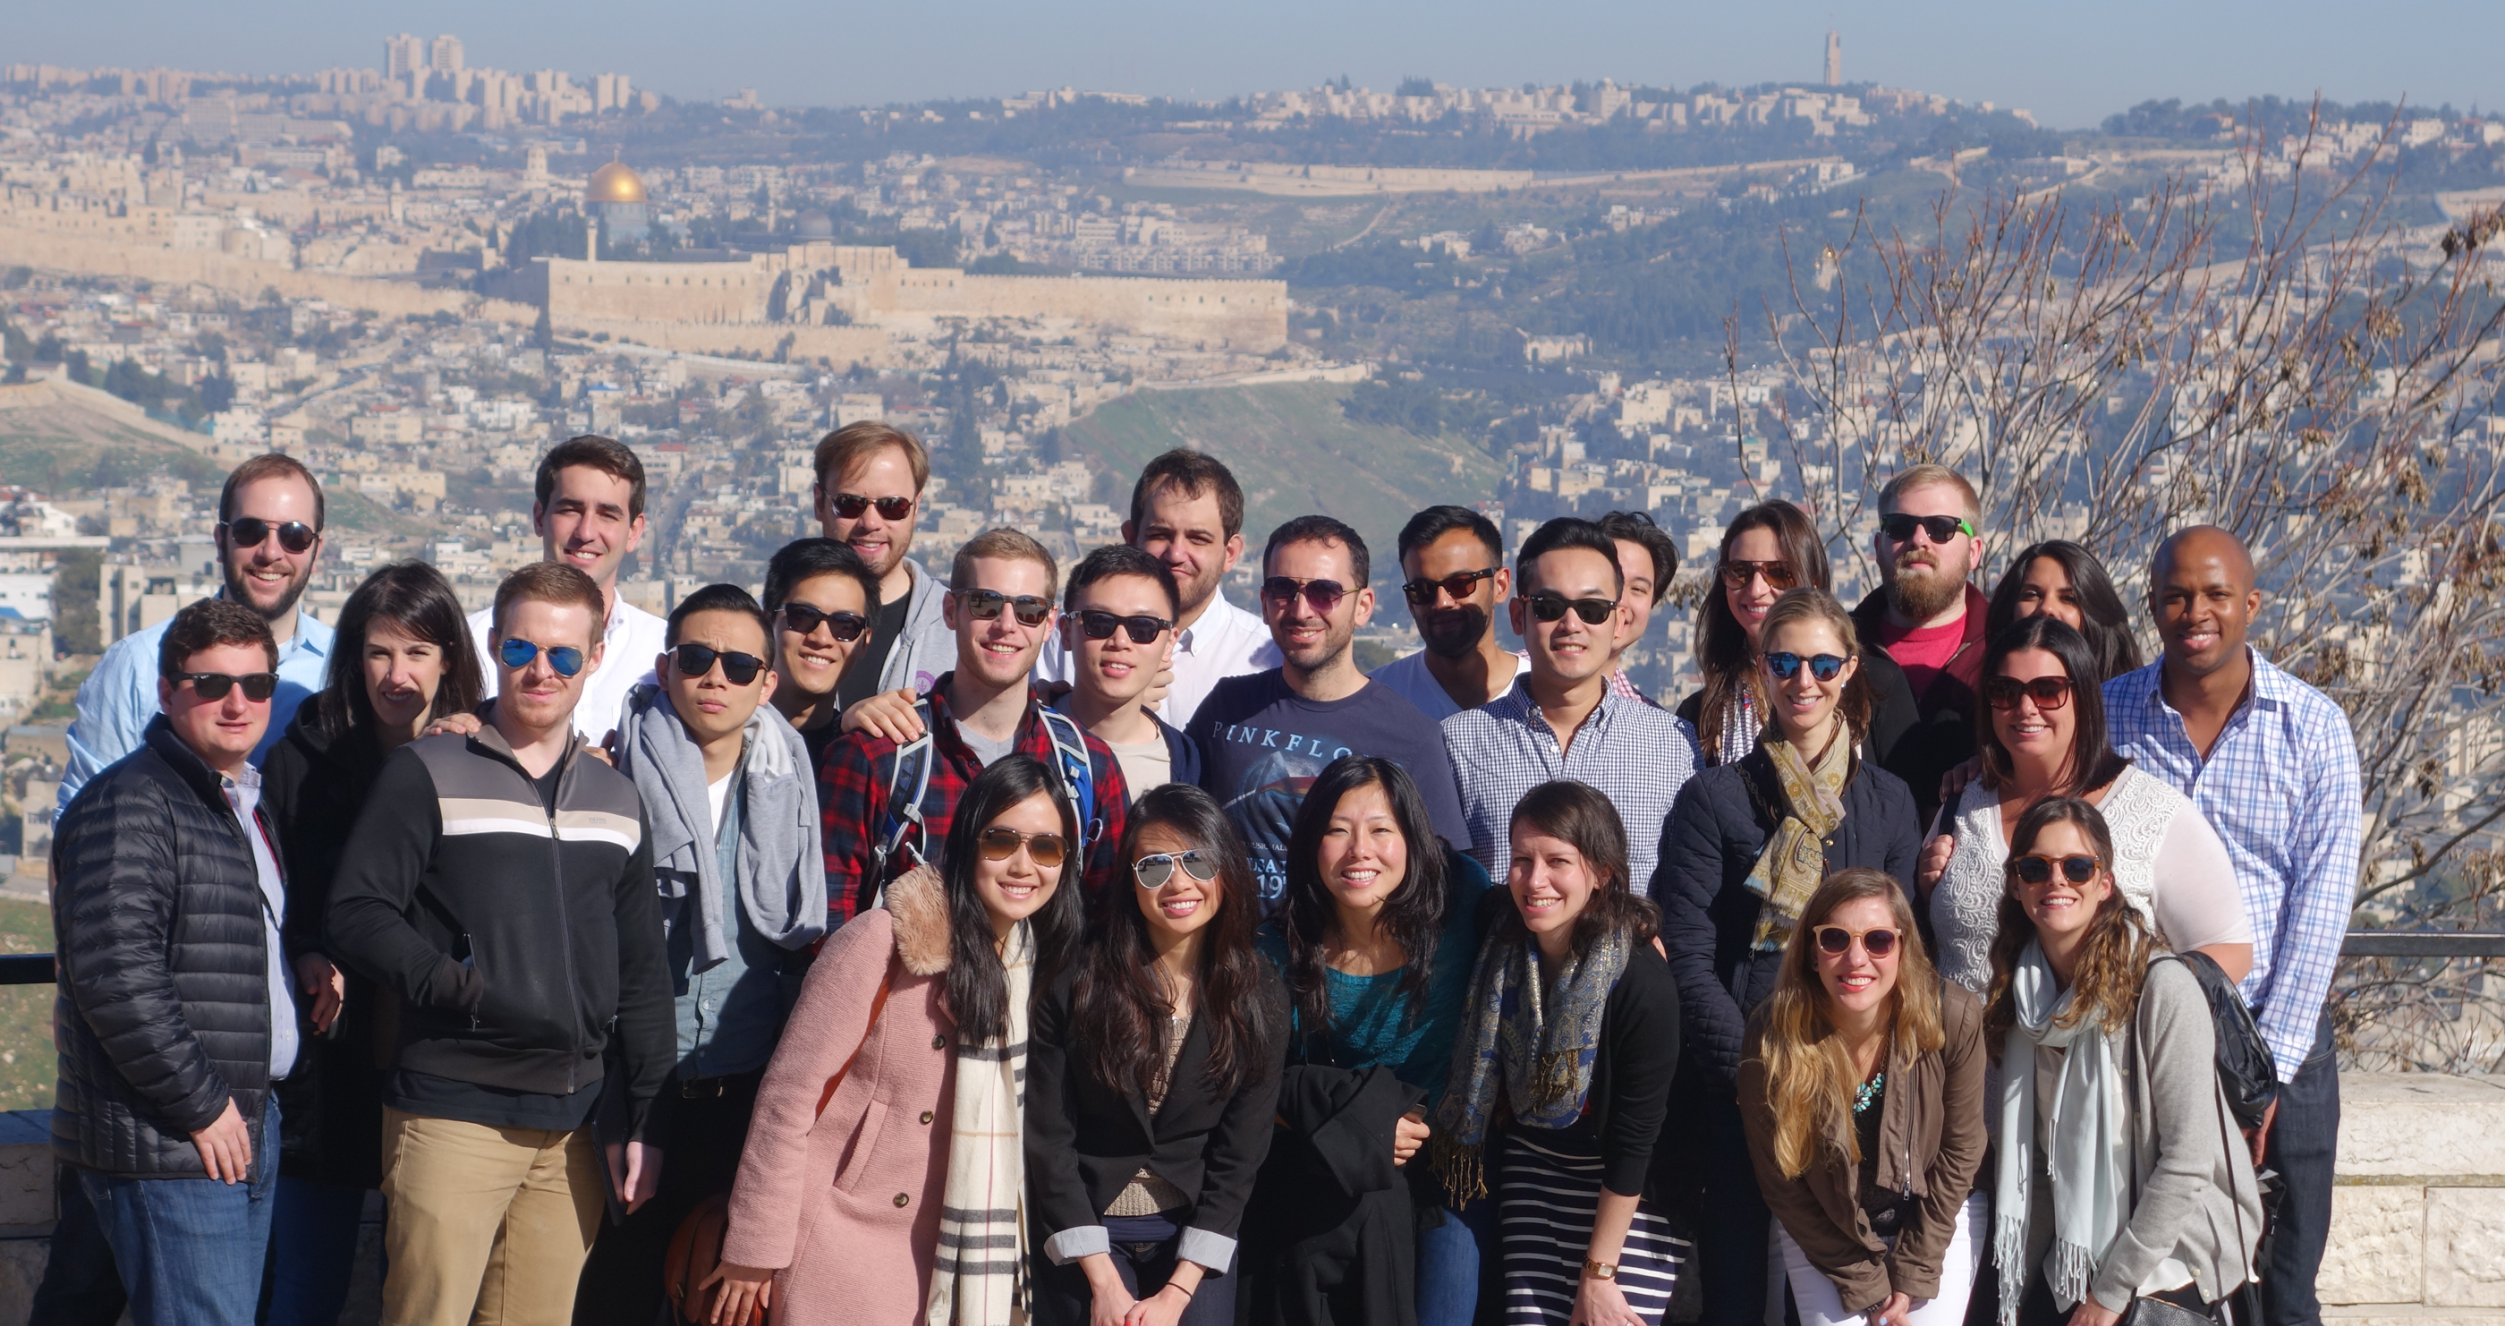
[
  {"x": 402, "y": 56},
  {"x": 1835, "y": 59},
  {"x": 446, "y": 55}
]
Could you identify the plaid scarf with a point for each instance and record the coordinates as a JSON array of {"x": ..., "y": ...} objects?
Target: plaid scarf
[
  {"x": 981, "y": 1276},
  {"x": 1795, "y": 859},
  {"x": 1532, "y": 1043}
]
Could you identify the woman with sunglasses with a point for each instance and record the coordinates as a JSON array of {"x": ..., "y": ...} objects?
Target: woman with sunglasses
[
  {"x": 2119, "y": 1173},
  {"x": 401, "y": 659},
  {"x": 2041, "y": 733},
  {"x": 1561, "y": 1077},
  {"x": 1862, "y": 1088},
  {"x": 1375, "y": 936},
  {"x": 893, "y": 1094},
  {"x": 1747, "y": 844},
  {"x": 2062, "y": 579},
  {"x": 1768, "y": 550},
  {"x": 1154, "y": 1076}
]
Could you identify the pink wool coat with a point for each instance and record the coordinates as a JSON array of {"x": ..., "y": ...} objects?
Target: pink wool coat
[{"x": 845, "y": 1205}]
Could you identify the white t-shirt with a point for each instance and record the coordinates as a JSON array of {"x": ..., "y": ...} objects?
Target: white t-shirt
[
  {"x": 1408, "y": 675},
  {"x": 1144, "y": 765},
  {"x": 718, "y": 795},
  {"x": 630, "y": 642}
]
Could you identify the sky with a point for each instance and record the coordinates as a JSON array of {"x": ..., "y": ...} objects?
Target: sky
[{"x": 2070, "y": 65}]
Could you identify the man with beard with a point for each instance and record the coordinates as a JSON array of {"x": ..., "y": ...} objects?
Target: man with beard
[
  {"x": 1264, "y": 738},
  {"x": 269, "y": 535},
  {"x": 1929, "y": 619},
  {"x": 1455, "y": 564}
]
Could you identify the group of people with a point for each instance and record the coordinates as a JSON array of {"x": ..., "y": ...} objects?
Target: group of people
[{"x": 894, "y": 946}]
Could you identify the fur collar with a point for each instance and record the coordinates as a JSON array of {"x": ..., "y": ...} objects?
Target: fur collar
[{"x": 918, "y": 902}]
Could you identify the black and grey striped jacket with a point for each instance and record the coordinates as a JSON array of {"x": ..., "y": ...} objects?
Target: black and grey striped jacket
[{"x": 514, "y": 936}]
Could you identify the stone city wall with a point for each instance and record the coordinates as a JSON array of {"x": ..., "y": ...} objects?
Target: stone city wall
[
  {"x": 794, "y": 342},
  {"x": 100, "y": 247}
]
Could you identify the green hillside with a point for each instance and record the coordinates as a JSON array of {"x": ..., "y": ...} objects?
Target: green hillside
[{"x": 1296, "y": 452}]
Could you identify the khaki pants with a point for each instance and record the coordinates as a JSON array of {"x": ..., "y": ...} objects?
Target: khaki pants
[{"x": 488, "y": 1226}]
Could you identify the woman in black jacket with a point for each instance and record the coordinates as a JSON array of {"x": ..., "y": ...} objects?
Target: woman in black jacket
[
  {"x": 1153, "y": 1080},
  {"x": 1568, "y": 1046},
  {"x": 401, "y": 660},
  {"x": 1746, "y": 846}
]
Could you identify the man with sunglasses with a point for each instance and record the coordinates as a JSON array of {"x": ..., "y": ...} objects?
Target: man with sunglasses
[
  {"x": 588, "y": 507},
  {"x": 1563, "y": 718},
  {"x": 822, "y": 599},
  {"x": 1117, "y": 622},
  {"x": 2272, "y": 764},
  {"x": 1457, "y": 582},
  {"x": 499, "y": 885},
  {"x": 1928, "y": 617},
  {"x": 1264, "y": 738},
  {"x": 732, "y": 805},
  {"x": 868, "y": 496},
  {"x": 269, "y": 535},
  {"x": 176, "y": 1010},
  {"x": 888, "y": 803}
]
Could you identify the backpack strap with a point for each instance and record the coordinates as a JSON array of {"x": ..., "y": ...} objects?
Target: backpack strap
[
  {"x": 911, "y": 762},
  {"x": 1069, "y": 748}
]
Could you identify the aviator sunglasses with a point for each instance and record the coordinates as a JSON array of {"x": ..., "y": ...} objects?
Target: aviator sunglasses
[
  {"x": 851, "y": 505},
  {"x": 696, "y": 660},
  {"x": 248, "y": 531},
  {"x": 2038, "y": 868},
  {"x": 1821, "y": 666},
  {"x": 1421, "y": 591},
  {"x": 1550, "y": 607},
  {"x": 1000, "y": 842},
  {"x": 984, "y": 604},
  {"x": 516, "y": 652},
  {"x": 1779, "y": 575},
  {"x": 1097, "y": 624},
  {"x": 258, "y": 686},
  {"x": 801, "y": 619},
  {"x": 1837, "y": 940},
  {"x": 1153, "y": 871}
]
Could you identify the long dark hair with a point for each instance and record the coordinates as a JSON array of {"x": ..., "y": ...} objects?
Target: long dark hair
[
  {"x": 1118, "y": 1007},
  {"x": 1578, "y": 813},
  {"x": 1723, "y": 651},
  {"x": 2102, "y": 617},
  {"x": 2093, "y": 761},
  {"x": 978, "y": 987},
  {"x": 1414, "y": 913},
  {"x": 2113, "y": 962},
  {"x": 415, "y": 598}
]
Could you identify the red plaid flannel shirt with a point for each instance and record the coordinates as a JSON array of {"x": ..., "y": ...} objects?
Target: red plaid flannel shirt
[{"x": 852, "y": 796}]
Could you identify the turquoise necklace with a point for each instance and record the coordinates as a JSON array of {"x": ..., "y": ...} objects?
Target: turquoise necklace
[{"x": 1868, "y": 1092}]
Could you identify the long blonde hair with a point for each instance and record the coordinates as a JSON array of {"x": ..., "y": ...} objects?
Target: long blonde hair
[{"x": 1809, "y": 1075}]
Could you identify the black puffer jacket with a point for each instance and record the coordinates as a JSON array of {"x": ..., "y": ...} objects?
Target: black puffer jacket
[
  {"x": 1717, "y": 829},
  {"x": 164, "y": 1005}
]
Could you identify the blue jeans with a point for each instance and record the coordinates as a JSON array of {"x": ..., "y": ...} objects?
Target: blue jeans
[
  {"x": 190, "y": 1250},
  {"x": 2304, "y": 1141},
  {"x": 313, "y": 1251},
  {"x": 1449, "y": 1257}
]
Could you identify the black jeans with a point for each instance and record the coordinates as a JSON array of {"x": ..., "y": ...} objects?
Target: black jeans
[
  {"x": 1143, "y": 1249},
  {"x": 1732, "y": 1237},
  {"x": 2035, "y": 1307},
  {"x": 2304, "y": 1144},
  {"x": 700, "y": 1139}
]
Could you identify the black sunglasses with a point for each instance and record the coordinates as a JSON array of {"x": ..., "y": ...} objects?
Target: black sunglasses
[
  {"x": 1901, "y": 527},
  {"x": 1549, "y": 607},
  {"x": 801, "y": 619},
  {"x": 1837, "y": 940},
  {"x": 984, "y": 604},
  {"x": 1822, "y": 666},
  {"x": 1321, "y": 595},
  {"x": 1459, "y": 584},
  {"x": 2038, "y": 868},
  {"x": 1097, "y": 624},
  {"x": 258, "y": 686},
  {"x": 738, "y": 669},
  {"x": 851, "y": 505},
  {"x": 248, "y": 531},
  {"x": 2047, "y": 692}
]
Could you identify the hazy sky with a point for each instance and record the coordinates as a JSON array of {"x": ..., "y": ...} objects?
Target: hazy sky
[{"x": 2070, "y": 64}]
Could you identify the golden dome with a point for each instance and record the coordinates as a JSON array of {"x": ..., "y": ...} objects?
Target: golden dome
[{"x": 614, "y": 183}]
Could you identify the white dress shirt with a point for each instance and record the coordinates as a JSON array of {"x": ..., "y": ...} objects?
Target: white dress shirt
[
  {"x": 1408, "y": 675},
  {"x": 632, "y": 639}
]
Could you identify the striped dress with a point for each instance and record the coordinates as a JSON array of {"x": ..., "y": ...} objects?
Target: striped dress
[{"x": 1547, "y": 1195}]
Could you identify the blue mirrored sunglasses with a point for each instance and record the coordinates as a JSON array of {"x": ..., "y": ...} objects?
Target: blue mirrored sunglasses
[
  {"x": 518, "y": 653},
  {"x": 1822, "y": 666}
]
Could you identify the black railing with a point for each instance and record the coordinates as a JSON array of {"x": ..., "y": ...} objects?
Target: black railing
[{"x": 26, "y": 969}]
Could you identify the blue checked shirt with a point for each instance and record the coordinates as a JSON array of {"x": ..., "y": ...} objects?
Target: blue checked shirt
[
  {"x": 2281, "y": 787},
  {"x": 1638, "y": 756}
]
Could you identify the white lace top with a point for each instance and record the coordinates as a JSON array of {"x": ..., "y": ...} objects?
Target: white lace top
[{"x": 2170, "y": 863}]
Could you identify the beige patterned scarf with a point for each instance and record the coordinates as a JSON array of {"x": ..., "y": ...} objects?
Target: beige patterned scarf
[
  {"x": 1795, "y": 859},
  {"x": 981, "y": 1276}
]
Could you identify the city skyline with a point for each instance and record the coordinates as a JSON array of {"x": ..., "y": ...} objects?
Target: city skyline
[{"x": 1958, "y": 48}]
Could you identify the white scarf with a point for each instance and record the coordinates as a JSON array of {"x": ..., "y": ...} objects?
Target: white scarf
[
  {"x": 981, "y": 1276},
  {"x": 2091, "y": 1143}
]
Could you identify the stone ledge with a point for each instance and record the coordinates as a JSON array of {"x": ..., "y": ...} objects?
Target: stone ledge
[{"x": 2418, "y": 1210}]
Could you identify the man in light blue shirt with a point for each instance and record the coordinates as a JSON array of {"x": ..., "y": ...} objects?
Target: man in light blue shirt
[{"x": 269, "y": 536}]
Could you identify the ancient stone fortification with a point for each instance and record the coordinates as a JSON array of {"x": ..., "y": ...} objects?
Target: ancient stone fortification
[{"x": 780, "y": 341}]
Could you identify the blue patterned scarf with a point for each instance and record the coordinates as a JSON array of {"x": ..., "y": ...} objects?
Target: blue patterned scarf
[{"x": 1533, "y": 1040}]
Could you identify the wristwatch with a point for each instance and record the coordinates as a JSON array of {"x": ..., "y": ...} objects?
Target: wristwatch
[{"x": 1600, "y": 1270}]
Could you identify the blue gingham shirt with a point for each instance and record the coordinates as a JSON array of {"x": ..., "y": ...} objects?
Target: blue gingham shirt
[
  {"x": 2282, "y": 789},
  {"x": 1639, "y": 756}
]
